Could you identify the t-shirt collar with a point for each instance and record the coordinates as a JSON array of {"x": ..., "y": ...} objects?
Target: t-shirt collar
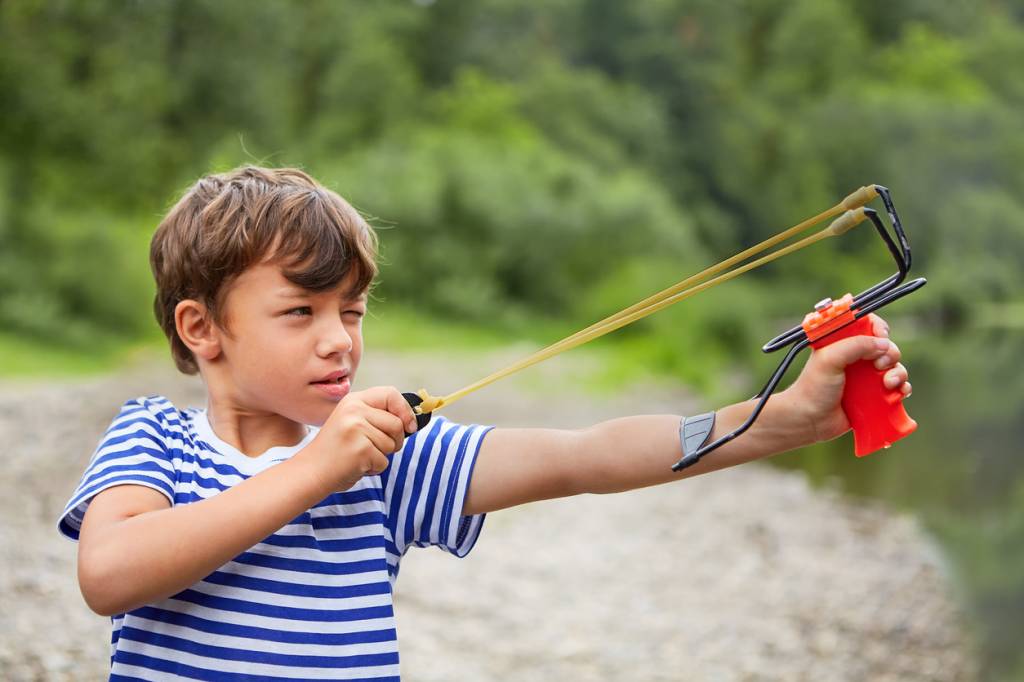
[{"x": 278, "y": 453}]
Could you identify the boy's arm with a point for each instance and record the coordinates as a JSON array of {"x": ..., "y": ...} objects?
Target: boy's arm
[
  {"x": 515, "y": 466},
  {"x": 134, "y": 548}
]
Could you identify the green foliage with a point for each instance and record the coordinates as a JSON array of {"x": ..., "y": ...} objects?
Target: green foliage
[
  {"x": 471, "y": 237},
  {"x": 642, "y": 128}
]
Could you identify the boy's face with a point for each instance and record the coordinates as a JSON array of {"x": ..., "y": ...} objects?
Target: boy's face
[{"x": 283, "y": 339}]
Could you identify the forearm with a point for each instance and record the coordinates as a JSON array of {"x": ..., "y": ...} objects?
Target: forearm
[
  {"x": 635, "y": 452},
  {"x": 156, "y": 554},
  {"x": 515, "y": 466}
]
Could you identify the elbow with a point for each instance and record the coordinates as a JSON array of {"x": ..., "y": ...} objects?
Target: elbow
[
  {"x": 100, "y": 608},
  {"x": 98, "y": 585}
]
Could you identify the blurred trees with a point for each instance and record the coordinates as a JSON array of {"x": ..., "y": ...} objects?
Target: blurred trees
[{"x": 523, "y": 154}]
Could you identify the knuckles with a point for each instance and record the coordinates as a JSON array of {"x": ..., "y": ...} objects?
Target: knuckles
[{"x": 363, "y": 431}]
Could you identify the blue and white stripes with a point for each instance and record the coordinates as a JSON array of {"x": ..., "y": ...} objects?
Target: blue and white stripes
[{"x": 311, "y": 602}]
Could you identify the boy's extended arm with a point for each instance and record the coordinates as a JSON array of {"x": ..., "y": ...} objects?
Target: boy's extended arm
[
  {"x": 515, "y": 466},
  {"x": 524, "y": 465}
]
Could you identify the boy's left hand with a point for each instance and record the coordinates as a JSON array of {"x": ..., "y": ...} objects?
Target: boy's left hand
[{"x": 816, "y": 395}]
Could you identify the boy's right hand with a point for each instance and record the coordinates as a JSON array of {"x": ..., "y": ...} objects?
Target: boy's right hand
[{"x": 363, "y": 429}]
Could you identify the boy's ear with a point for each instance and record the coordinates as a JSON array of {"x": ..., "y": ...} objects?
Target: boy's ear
[{"x": 196, "y": 329}]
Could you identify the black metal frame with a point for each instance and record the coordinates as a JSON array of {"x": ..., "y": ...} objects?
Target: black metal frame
[{"x": 868, "y": 301}]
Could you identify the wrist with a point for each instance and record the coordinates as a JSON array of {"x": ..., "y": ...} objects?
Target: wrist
[
  {"x": 308, "y": 468},
  {"x": 794, "y": 421}
]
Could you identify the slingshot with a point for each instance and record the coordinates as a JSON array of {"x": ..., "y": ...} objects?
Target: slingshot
[{"x": 875, "y": 413}]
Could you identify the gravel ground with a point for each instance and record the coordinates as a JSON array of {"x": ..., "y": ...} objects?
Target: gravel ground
[{"x": 744, "y": 574}]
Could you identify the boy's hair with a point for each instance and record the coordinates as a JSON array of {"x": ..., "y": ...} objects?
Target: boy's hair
[{"x": 229, "y": 221}]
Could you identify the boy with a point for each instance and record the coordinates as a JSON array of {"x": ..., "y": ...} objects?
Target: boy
[{"x": 258, "y": 539}]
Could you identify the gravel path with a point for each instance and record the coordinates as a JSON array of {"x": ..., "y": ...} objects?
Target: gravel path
[{"x": 745, "y": 574}]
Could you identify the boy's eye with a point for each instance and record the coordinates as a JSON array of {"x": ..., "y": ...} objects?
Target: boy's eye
[{"x": 298, "y": 312}]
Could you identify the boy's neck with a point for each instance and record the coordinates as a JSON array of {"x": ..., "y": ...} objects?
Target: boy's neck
[{"x": 250, "y": 432}]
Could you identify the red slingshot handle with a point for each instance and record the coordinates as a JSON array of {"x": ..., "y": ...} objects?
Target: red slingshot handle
[{"x": 876, "y": 413}]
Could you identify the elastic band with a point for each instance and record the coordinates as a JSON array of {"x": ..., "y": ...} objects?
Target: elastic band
[{"x": 677, "y": 292}]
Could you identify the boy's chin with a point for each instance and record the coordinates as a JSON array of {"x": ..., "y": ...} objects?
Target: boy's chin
[{"x": 319, "y": 416}]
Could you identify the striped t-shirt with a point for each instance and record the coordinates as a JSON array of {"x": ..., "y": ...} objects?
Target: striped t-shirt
[{"x": 311, "y": 602}]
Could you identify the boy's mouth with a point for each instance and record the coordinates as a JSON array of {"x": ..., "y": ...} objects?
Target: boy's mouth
[
  {"x": 333, "y": 378},
  {"x": 335, "y": 389}
]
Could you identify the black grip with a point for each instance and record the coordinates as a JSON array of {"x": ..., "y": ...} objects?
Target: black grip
[{"x": 421, "y": 419}]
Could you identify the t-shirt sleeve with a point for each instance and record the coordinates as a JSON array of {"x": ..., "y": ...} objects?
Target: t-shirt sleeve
[
  {"x": 425, "y": 488},
  {"x": 135, "y": 449}
]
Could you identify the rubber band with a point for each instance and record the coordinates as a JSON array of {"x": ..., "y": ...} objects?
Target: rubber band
[{"x": 850, "y": 213}]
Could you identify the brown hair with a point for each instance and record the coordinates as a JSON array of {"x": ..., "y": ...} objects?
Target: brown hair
[{"x": 227, "y": 222}]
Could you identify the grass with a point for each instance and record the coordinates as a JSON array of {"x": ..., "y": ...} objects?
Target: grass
[
  {"x": 400, "y": 329},
  {"x": 391, "y": 328},
  {"x": 612, "y": 363},
  {"x": 22, "y": 358}
]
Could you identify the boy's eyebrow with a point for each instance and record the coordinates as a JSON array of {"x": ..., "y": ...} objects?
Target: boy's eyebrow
[{"x": 302, "y": 293}]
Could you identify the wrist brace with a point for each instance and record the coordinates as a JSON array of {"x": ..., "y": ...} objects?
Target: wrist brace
[{"x": 693, "y": 434}]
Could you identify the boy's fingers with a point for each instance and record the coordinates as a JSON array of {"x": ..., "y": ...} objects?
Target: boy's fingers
[
  {"x": 400, "y": 407},
  {"x": 388, "y": 424},
  {"x": 378, "y": 464},
  {"x": 891, "y": 357},
  {"x": 848, "y": 351},
  {"x": 383, "y": 440},
  {"x": 879, "y": 326},
  {"x": 895, "y": 376},
  {"x": 390, "y": 399}
]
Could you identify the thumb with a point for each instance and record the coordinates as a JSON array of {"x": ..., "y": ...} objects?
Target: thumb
[
  {"x": 400, "y": 407},
  {"x": 835, "y": 357}
]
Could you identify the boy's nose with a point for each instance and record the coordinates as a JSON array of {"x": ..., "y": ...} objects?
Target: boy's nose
[{"x": 334, "y": 339}]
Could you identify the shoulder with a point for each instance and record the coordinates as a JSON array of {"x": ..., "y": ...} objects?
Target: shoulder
[
  {"x": 157, "y": 411},
  {"x": 442, "y": 434}
]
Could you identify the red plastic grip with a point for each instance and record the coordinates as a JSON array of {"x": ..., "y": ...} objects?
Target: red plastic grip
[{"x": 876, "y": 413}]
